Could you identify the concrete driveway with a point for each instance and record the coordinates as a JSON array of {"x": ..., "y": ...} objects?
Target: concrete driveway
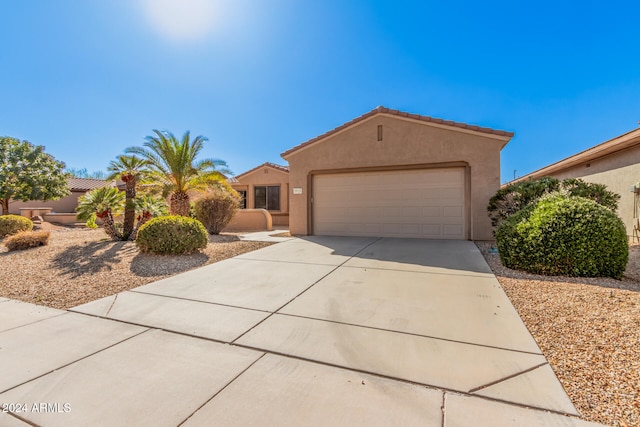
[{"x": 317, "y": 331}]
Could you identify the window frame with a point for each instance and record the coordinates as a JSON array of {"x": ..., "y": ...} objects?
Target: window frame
[{"x": 267, "y": 194}]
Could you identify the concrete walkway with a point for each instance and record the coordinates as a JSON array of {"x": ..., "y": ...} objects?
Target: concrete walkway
[{"x": 315, "y": 331}]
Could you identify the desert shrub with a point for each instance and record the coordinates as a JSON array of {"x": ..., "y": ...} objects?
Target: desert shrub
[
  {"x": 516, "y": 196},
  {"x": 216, "y": 209},
  {"x": 589, "y": 190},
  {"x": 12, "y": 224},
  {"x": 563, "y": 235},
  {"x": 26, "y": 240},
  {"x": 172, "y": 235},
  {"x": 513, "y": 197}
]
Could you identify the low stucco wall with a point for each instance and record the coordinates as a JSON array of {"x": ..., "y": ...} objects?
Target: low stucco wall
[
  {"x": 251, "y": 220},
  {"x": 280, "y": 219},
  {"x": 61, "y": 218}
]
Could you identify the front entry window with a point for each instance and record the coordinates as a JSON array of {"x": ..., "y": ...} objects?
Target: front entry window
[
  {"x": 243, "y": 199},
  {"x": 267, "y": 197}
]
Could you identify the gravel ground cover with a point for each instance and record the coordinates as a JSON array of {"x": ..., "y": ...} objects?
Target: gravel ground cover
[
  {"x": 82, "y": 265},
  {"x": 589, "y": 330}
]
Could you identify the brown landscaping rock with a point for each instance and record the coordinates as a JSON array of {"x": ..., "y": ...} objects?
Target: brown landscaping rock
[{"x": 589, "y": 330}]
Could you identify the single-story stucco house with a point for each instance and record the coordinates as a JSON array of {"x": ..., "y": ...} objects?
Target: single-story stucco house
[
  {"x": 265, "y": 187},
  {"x": 61, "y": 210},
  {"x": 614, "y": 163},
  {"x": 391, "y": 173}
]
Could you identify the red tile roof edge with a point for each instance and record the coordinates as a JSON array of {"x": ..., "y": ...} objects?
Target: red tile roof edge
[
  {"x": 85, "y": 184},
  {"x": 399, "y": 113},
  {"x": 268, "y": 164}
]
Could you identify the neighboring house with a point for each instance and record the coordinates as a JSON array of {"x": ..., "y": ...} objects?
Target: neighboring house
[
  {"x": 390, "y": 173},
  {"x": 614, "y": 163},
  {"x": 265, "y": 187},
  {"x": 67, "y": 204}
]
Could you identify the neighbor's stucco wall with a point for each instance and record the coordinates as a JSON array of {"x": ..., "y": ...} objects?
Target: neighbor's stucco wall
[
  {"x": 618, "y": 171},
  {"x": 266, "y": 176},
  {"x": 405, "y": 142},
  {"x": 64, "y": 205}
]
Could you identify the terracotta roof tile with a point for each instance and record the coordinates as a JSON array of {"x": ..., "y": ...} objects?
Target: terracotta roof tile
[
  {"x": 86, "y": 184},
  {"x": 384, "y": 110},
  {"x": 281, "y": 168}
]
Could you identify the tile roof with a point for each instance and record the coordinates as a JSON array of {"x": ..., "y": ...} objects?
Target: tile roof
[
  {"x": 621, "y": 142},
  {"x": 86, "y": 184},
  {"x": 268, "y": 164},
  {"x": 384, "y": 110}
]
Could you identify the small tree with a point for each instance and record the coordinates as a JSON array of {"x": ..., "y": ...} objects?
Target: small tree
[
  {"x": 28, "y": 173},
  {"x": 129, "y": 169}
]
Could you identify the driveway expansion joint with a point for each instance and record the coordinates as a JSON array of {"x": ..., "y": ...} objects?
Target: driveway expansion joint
[
  {"x": 222, "y": 389},
  {"x": 508, "y": 377},
  {"x": 413, "y": 334},
  {"x": 77, "y": 360},
  {"x": 304, "y": 290}
]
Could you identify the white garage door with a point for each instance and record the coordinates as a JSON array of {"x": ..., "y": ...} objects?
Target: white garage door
[{"x": 424, "y": 203}]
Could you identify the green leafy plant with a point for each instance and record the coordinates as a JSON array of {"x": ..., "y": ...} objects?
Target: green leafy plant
[
  {"x": 28, "y": 173},
  {"x": 91, "y": 222},
  {"x": 176, "y": 171},
  {"x": 216, "y": 209},
  {"x": 564, "y": 235},
  {"x": 12, "y": 224},
  {"x": 102, "y": 202},
  {"x": 172, "y": 235},
  {"x": 27, "y": 240},
  {"x": 514, "y": 197}
]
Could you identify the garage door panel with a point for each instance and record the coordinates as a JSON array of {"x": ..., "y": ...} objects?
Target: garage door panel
[{"x": 413, "y": 203}]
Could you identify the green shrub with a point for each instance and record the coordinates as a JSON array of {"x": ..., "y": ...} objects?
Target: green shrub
[
  {"x": 26, "y": 240},
  {"x": 172, "y": 235},
  {"x": 516, "y": 196},
  {"x": 513, "y": 197},
  {"x": 12, "y": 224},
  {"x": 216, "y": 209},
  {"x": 562, "y": 235}
]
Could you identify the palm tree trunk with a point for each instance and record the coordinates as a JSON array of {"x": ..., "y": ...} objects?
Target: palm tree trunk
[
  {"x": 109, "y": 227},
  {"x": 129, "y": 206},
  {"x": 179, "y": 204}
]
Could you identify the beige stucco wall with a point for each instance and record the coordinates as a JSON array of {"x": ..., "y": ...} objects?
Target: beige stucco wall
[
  {"x": 64, "y": 205},
  {"x": 618, "y": 171},
  {"x": 405, "y": 142},
  {"x": 269, "y": 176},
  {"x": 250, "y": 220}
]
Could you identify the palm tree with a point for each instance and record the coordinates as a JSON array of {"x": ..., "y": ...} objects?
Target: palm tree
[
  {"x": 102, "y": 202},
  {"x": 173, "y": 165},
  {"x": 131, "y": 170}
]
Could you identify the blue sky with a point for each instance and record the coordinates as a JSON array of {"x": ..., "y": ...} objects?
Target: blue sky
[{"x": 87, "y": 79}]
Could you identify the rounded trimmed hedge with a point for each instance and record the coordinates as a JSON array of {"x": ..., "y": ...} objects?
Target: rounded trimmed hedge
[
  {"x": 12, "y": 224},
  {"x": 172, "y": 235},
  {"x": 560, "y": 235}
]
